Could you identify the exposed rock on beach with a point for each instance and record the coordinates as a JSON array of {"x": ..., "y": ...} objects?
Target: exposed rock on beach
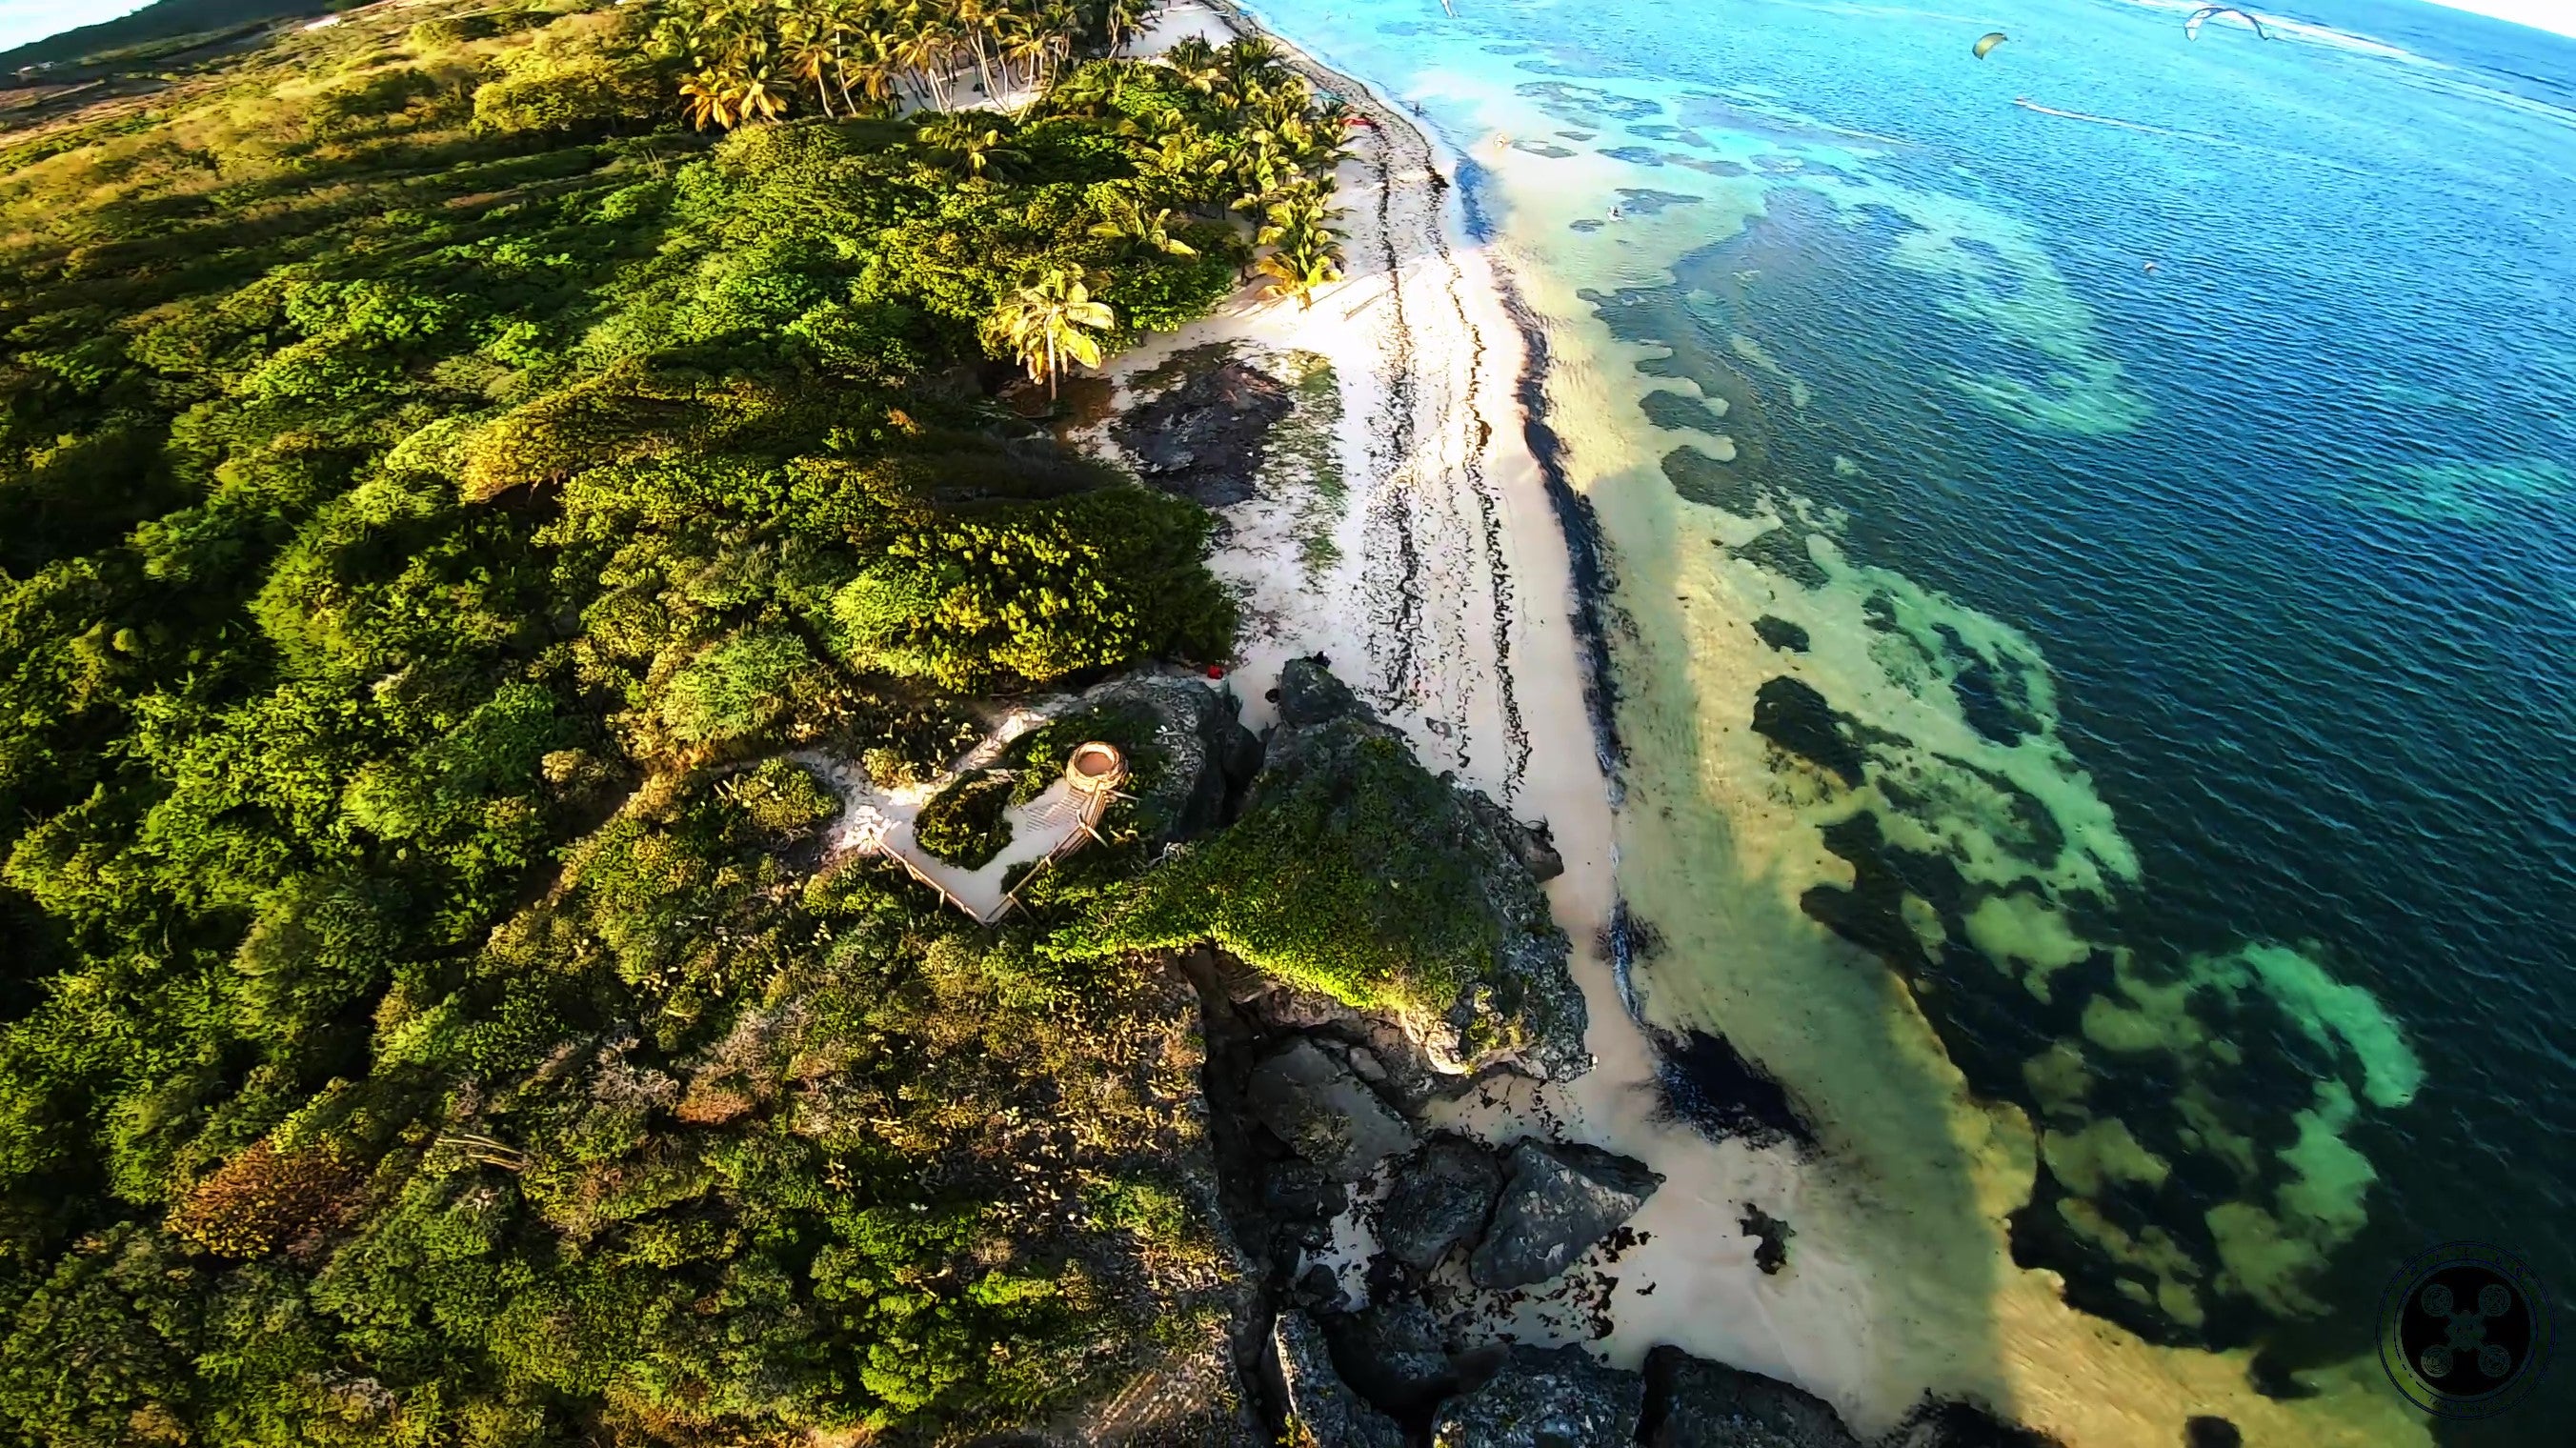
[
  {"x": 1541, "y": 1398},
  {"x": 1561, "y": 1199}
]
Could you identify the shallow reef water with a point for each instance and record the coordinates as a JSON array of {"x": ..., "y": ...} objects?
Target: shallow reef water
[{"x": 2094, "y": 532}]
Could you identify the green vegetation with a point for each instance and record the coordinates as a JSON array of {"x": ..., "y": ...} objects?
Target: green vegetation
[
  {"x": 1305, "y": 461},
  {"x": 436, "y": 484},
  {"x": 965, "y": 823},
  {"x": 1347, "y": 880},
  {"x": 1040, "y": 755}
]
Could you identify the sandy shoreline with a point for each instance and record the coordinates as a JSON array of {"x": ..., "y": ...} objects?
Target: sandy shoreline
[
  {"x": 1469, "y": 597},
  {"x": 1472, "y": 585}
]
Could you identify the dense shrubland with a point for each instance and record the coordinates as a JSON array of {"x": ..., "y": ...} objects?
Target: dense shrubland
[{"x": 436, "y": 483}]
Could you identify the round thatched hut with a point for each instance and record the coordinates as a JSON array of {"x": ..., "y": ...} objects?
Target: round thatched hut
[{"x": 1094, "y": 769}]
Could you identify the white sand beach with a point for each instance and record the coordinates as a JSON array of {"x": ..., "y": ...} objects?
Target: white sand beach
[{"x": 1452, "y": 607}]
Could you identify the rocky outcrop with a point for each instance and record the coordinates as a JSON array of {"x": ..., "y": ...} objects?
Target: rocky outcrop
[
  {"x": 1558, "y": 1201},
  {"x": 1523, "y": 1010},
  {"x": 1204, "y": 439},
  {"x": 1208, "y": 756},
  {"x": 1395, "y": 1355},
  {"x": 1300, "y": 1199},
  {"x": 1694, "y": 1403},
  {"x": 1320, "y": 1406},
  {"x": 1325, "y": 1113},
  {"x": 1529, "y": 844},
  {"x": 1379, "y": 1049},
  {"x": 1545, "y": 1399},
  {"x": 1440, "y": 1201}
]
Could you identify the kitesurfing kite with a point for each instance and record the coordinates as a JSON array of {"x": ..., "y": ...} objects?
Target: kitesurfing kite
[
  {"x": 2200, "y": 17},
  {"x": 1989, "y": 41}
]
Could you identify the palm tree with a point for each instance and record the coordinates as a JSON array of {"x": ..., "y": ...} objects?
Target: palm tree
[
  {"x": 872, "y": 60},
  {"x": 1250, "y": 61},
  {"x": 813, "y": 54},
  {"x": 1120, "y": 19},
  {"x": 966, "y": 146},
  {"x": 922, "y": 44},
  {"x": 1020, "y": 39},
  {"x": 1300, "y": 264},
  {"x": 1058, "y": 22},
  {"x": 734, "y": 93},
  {"x": 975, "y": 20},
  {"x": 1147, "y": 230},
  {"x": 1194, "y": 61},
  {"x": 1092, "y": 89},
  {"x": 1049, "y": 320},
  {"x": 1300, "y": 210}
]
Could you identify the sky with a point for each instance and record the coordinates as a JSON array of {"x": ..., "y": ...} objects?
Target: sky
[{"x": 25, "y": 20}]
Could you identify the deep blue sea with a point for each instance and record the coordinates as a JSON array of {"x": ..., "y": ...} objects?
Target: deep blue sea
[{"x": 2235, "y": 380}]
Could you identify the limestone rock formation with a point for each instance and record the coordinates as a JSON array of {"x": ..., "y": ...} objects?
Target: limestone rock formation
[
  {"x": 1319, "y": 1403},
  {"x": 1324, "y": 1112},
  {"x": 1523, "y": 1009},
  {"x": 1701, "y": 1404},
  {"x": 1559, "y": 1201},
  {"x": 1545, "y": 1399},
  {"x": 1440, "y": 1200},
  {"x": 1207, "y": 753}
]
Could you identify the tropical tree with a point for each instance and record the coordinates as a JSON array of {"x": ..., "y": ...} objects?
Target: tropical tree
[
  {"x": 1301, "y": 261},
  {"x": 1145, "y": 231},
  {"x": 968, "y": 148},
  {"x": 1048, "y": 320},
  {"x": 1121, "y": 19},
  {"x": 733, "y": 94},
  {"x": 1300, "y": 210},
  {"x": 814, "y": 57},
  {"x": 1194, "y": 61}
]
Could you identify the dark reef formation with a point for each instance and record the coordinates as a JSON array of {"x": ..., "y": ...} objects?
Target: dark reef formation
[{"x": 1205, "y": 438}]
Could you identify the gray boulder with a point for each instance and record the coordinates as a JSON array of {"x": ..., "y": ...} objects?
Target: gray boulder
[
  {"x": 1318, "y": 1400},
  {"x": 1545, "y": 1399},
  {"x": 1325, "y": 1113},
  {"x": 1301, "y": 1199},
  {"x": 1710, "y": 1405},
  {"x": 1206, "y": 750},
  {"x": 1394, "y": 1355},
  {"x": 1559, "y": 1201},
  {"x": 1440, "y": 1199},
  {"x": 1528, "y": 844}
]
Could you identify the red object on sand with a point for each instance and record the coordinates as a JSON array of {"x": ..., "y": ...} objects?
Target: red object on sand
[{"x": 1216, "y": 671}]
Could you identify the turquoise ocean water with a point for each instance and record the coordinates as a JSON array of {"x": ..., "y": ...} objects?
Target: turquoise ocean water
[{"x": 2167, "y": 450}]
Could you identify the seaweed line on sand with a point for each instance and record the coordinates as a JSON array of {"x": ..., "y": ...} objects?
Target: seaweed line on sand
[
  {"x": 1592, "y": 577},
  {"x": 1404, "y": 147}
]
